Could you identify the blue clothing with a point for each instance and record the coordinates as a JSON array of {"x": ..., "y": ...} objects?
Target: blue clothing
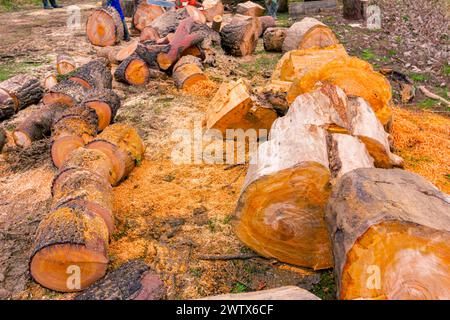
[{"x": 116, "y": 5}]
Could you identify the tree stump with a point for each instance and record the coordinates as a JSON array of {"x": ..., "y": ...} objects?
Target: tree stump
[{"x": 104, "y": 27}]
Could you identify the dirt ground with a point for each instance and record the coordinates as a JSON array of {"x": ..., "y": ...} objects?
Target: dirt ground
[{"x": 170, "y": 215}]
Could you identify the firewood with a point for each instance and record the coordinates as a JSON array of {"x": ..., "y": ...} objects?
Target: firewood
[
  {"x": 187, "y": 72},
  {"x": 104, "y": 27},
  {"x": 212, "y": 8},
  {"x": 144, "y": 14},
  {"x": 76, "y": 126},
  {"x": 281, "y": 293},
  {"x": 308, "y": 33},
  {"x": 133, "y": 70},
  {"x": 95, "y": 74},
  {"x": 356, "y": 77},
  {"x": 273, "y": 38},
  {"x": 149, "y": 33},
  {"x": 67, "y": 92},
  {"x": 250, "y": 9},
  {"x": 37, "y": 125},
  {"x": 50, "y": 81},
  {"x": 17, "y": 93},
  {"x": 275, "y": 93},
  {"x": 65, "y": 64},
  {"x": 233, "y": 107},
  {"x": 266, "y": 22},
  {"x": 391, "y": 233},
  {"x": 216, "y": 23},
  {"x": 80, "y": 187},
  {"x": 109, "y": 53},
  {"x": 122, "y": 145},
  {"x": 105, "y": 102},
  {"x": 69, "y": 240},
  {"x": 355, "y": 9},
  {"x": 240, "y": 36},
  {"x": 131, "y": 281}
]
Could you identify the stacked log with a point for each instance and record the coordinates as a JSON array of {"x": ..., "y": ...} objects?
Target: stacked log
[
  {"x": 104, "y": 27},
  {"x": 17, "y": 93},
  {"x": 74, "y": 236}
]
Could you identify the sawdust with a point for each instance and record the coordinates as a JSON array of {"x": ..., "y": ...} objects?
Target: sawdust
[
  {"x": 204, "y": 88},
  {"x": 422, "y": 139}
]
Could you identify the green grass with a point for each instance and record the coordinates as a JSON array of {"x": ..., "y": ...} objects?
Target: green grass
[
  {"x": 239, "y": 288},
  {"x": 419, "y": 77},
  {"x": 326, "y": 288},
  {"x": 11, "y": 5},
  {"x": 446, "y": 70},
  {"x": 368, "y": 54},
  {"x": 196, "y": 272},
  {"x": 264, "y": 62},
  {"x": 8, "y": 70}
]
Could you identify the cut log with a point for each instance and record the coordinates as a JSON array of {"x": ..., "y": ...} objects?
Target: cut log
[
  {"x": 76, "y": 126},
  {"x": 105, "y": 102},
  {"x": 145, "y": 14},
  {"x": 212, "y": 8},
  {"x": 132, "y": 70},
  {"x": 187, "y": 72},
  {"x": 69, "y": 241},
  {"x": 67, "y": 92},
  {"x": 37, "y": 125},
  {"x": 149, "y": 33},
  {"x": 216, "y": 23},
  {"x": 50, "y": 81},
  {"x": 240, "y": 36},
  {"x": 95, "y": 74},
  {"x": 233, "y": 107},
  {"x": 131, "y": 281},
  {"x": 169, "y": 21},
  {"x": 355, "y": 9},
  {"x": 281, "y": 293},
  {"x": 80, "y": 187},
  {"x": 391, "y": 233},
  {"x": 275, "y": 93},
  {"x": 266, "y": 22},
  {"x": 17, "y": 93},
  {"x": 356, "y": 77},
  {"x": 65, "y": 64},
  {"x": 109, "y": 53},
  {"x": 273, "y": 38},
  {"x": 297, "y": 63},
  {"x": 250, "y": 9},
  {"x": 308, "y": 33},
  {"x": 104, "y": 27},
  {"x": 280, "y": 213},
  {"x": 123, "y": 146},
  {"x": 195, "y": 14}
]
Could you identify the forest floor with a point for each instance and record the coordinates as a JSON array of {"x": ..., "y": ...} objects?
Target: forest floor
[{"x": 170, "y": 215}]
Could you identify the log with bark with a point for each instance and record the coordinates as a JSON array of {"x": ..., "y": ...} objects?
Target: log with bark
[
  {"x": 17, "y": 93},
  {"x": 281, "y": 293},
  {"x": 275, "y": 93},
  {"x": 50, "y": 81},
  {"x": 266, "y": 22},
  {"x": 234, "y": 107},
  {"x": 105, "y": 102},
  {"x": 240, "y": 36},
  {"x": 73, "y": 187},
  {"x": 131, "y": 281},
  {"x": 169, "y": 21},
  {"x": 76, "y": 126},
  {"x": 123, "y": 146},
  {"x": 250, "y": 8},
  {"x": 216, "y": 23},
  {"x": 96, "y": 74},
  {"x": 308, "y": 33},
  {"x": 144, "y": 14},
  {"x": 187, "y": 72},
  {"x": 65, "y": 64},
  {"x": 391, "y": 233},
  {"x": 109, "y": 53},
  {"x": 70, "y": 249},
  {"x": 149, "y": 33},
  {"x": 133, "y": 70},
  {"x": 104, "y": 27},
  {"x": 67, "y": 92},
  {"x": 212, "y": 8},
  {"x": 355, "y": 9}
]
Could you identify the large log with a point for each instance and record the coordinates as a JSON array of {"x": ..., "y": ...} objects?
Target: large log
[
  {"x": 149, "y": 33},
  {"x": 391, "y": 233},
  {"x": 356, "y": 77},
  {"x": 187, "y": 72},
  {"x": 250, "y": 9},
  {"x": 266, "y": 22},
  {"x": 144, "y": 14},
  {"x": 67, "y": 92},
  {"x": 212, "y": 8},
  {"x": 65, "y": 64},
  {"x": 104, "y": 27},
  {"x": 70, "y": 249},
  {"x": 17, "y": 93},
  {"x": 133, "y": 70},
  {"x": 169, "y": 21},
  {"x": 273, "y": 38},
  {"x": 105, "y": 102},
  {"x": 233, "y": 107},
  {"x": 275, "y": 93},
  {"x": 123, "y": 146},
  {"x": 308, "y": 33},
  {"x": 281, "y": 293},
  {"x": 95, "y": 74},
  {"x": 131, "y": 281},
  {"x": 240, "y": 36}
]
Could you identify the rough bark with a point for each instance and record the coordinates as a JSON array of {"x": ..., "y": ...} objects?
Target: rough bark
[
  {"x": 145, "y": 14},
  {"x": 273, "y": 38},
  {"x": 96, "y": 73},
  {"x": 169, "y": 21},
  {"x": 3, "y": 138},
  {"x": 391, "y": 232},
  {"x": 106, "y": 103},
  {"x": 187, "y": 72},
  {"x": 133, "y": 70},
  {"x": 240, "y": 36},
  {"x": 250, "y": 9},
  {"x": 67, "y": 92},
  {"x": 216, "y": 23},
  {"x": 275, "y": 93},
  {"x": 355, "y": 9},
  {"x": 104, "y": 27},
  {"x": 281, "y": 293}
]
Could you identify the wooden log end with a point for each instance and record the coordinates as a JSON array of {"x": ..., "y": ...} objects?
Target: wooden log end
[{"x": 63, "y": 146}]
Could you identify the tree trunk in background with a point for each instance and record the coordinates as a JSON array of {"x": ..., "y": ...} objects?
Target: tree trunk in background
[{"x": 355, "y": 9}]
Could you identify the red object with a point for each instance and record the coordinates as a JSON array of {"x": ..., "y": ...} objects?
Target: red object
[{"x": 184, "y": 3}]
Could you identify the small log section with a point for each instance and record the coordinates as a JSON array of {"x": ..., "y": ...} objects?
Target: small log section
[
  {"x": 240, "y": 37},
  {"x": 250, "y": 9},
  {"x": 133, "y": 70},
  {"x": 308, "y": 33},
  {"x": 355, "y": 9},
  {"x": 187, "y": 72},
  {"x": 273, "y": 38},
  {"x": 67, "y": 92},
  {"x": 391, "y": 234},
  {"x": 131, "y": 281},
  {"x": 65, "y": 64},
  {"x": 50, "y": 81},
  {"x": 96, "y": 74},
  {"x": 145, "y": 14},
  {"x": 234, "y": 107},
  {"x": 17, "y": 93},
  {"x": 106, "y": 103},
  {"x": 281, "y": 293},
  {"x": 149, "y": 33},
  {"x": 104, "y": 27},
  {"x": 266, "y": 22},
  {"x": 217, "y": 23},
  {"x": 212, "y": 8}
]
